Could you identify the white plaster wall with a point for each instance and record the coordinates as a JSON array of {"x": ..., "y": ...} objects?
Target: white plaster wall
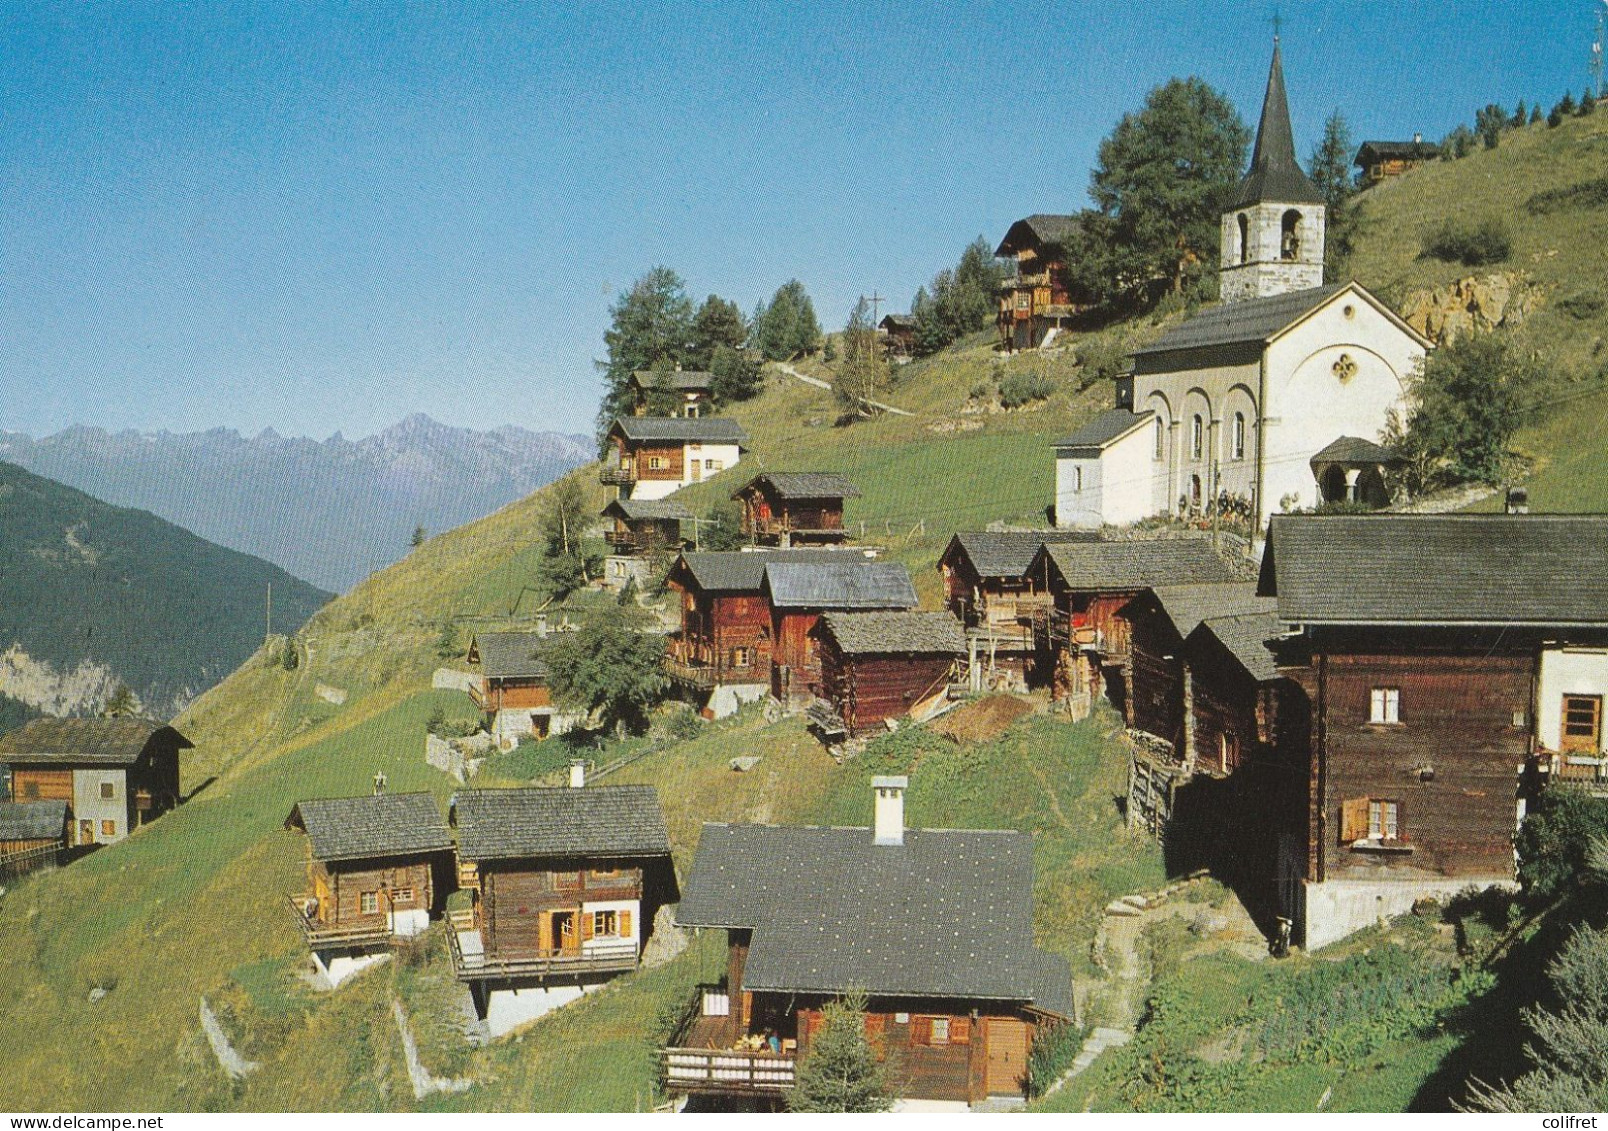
[
  {"x": 728, "y": 698},
  {"x": 337, "y": 966},
  {"x": 1177, "y": 397},
  {"x": 88, "y": 805},
  {"x": 1077, "y": 509},
  {"x": 406, "y": 924},
  {"x": 1336, "y": 909},
  {"x": 727, "y": 455},
  {"x": 1566, "y": 671},
  {"x": 514, "y": 723},
  {"x": 509, "y": 1008}
]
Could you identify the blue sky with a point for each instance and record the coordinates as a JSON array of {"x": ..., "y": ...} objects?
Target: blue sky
[{"x": 322, "y": 217}]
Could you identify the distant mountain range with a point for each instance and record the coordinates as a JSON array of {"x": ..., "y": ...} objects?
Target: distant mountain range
[
  {"x": 93, "y": 596},
  {"x": 331, "y": 511}
]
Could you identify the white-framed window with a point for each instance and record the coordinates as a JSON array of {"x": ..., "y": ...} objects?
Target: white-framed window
[
  {"x": 611, "y": 924},
  {"x": 368, "y": 902},
  {"x": 402, "y": 895},
  {"x": 1239, "y": 435},
  {"x": 655, "y": 463},
  {"x": 108, "y": 828},
  {"x": 1372, "y": 821},
  {"x": 940, "y": 1030},
  {"x": 714, "y": 465},
  {"x": 1383, "y": 820},
  {"x": 1384, "y": 705}
]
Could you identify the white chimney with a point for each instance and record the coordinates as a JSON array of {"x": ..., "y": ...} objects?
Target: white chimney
[
  {"x": 888, "y": 820},
  {"x": 1418, "y": 139},
  {"x": 577, "y": 774}
]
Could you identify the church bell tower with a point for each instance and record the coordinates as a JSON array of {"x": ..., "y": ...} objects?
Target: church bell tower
[{"x": 1273, "y": 231}]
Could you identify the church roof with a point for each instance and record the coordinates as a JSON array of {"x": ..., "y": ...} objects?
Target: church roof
[
  {"x": 1254, "y": 320},
  {"x": 1274, "y": 174},
  {"x": 1109, "y": 426}
]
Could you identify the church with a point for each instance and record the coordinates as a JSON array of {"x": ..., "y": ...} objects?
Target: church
[{"x": 1273, "y": 400}]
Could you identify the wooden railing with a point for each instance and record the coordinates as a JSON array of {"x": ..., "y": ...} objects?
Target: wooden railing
[
  {"x": 27, "y": 859},
  {"x": 599, "y": 958},
  {"x": 617, "y": 475},
  {"x": 699, "y": 675},
  {"x": 622, "y": 540},
  {"x": 727, "y": 1070},
  {"x": 320, "y": 935},
  {"x": 786, "y": 524}
]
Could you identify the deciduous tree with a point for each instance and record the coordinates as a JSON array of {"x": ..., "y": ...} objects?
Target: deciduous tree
[
  {"x": 613, "y": 666},
  {"x": 863, "y": 372}
]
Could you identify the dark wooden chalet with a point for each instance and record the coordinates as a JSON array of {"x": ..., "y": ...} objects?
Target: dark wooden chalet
[
  {"x": 32, "y": 834},
  {"x": 1445, "y": 659},
  {"x": 934, "y": 925},
  {"x": 565, "y": 882},
  {"x": 795, "y": 508},
  {"x": 1086, "y": 640},
  {"x": 1038, "y": 299},
  {"x": 988, "y": 587},
  {"x": 1380, "y": 160},
  {"x": 898, "y": 334},
  {"x": 645, "y": 526},
  {"x": 881, "y": 666},
  {"x": 651, "y": 456},
  {"x": 378, "y": 868},
  {"x": 114, "y": 774},
  {"x": 512, "y": 691},
  {"x": 797, "y": 593},
  {"x": 691, "y": 389}
]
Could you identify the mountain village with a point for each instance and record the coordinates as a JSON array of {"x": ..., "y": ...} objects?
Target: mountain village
[{"x": 1341, "y": 715}]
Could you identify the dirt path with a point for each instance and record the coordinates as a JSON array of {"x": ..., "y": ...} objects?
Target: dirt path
[{"x": 820, "y": 384}]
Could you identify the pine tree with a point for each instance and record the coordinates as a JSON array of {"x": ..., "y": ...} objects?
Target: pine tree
[
  {"x": 122, "y": 702},
  {"x": 1330, "y": 169},
  {"x": 717, "y": 324},
  {"x": 788, "y": 326},
  {"x": 840, "y": 1071},
  {"x": 651, "y": 328},
  {"x": 419, "y": 536}
]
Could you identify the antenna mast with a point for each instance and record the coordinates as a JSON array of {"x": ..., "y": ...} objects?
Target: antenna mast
[{"x": 1596, "y": 51}]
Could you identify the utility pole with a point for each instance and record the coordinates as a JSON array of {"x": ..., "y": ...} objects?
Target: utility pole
[
  {"x": 270, "y": 634},
  {"x": 1596, "y": 51},
  {"x": 875, "y": 299},
  {"x": 697, "y": 525}
]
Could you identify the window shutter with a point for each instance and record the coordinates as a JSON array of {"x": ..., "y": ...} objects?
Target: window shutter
[
  {"x": 921, "y": 1030},
  {"x": 960, "y": 1030},
  {"x": 1401, "y": 822},
  {"x": 1354, "y": 819},
  {"x": 586, "y": 925},
  {"x": 625, "y": 924}
]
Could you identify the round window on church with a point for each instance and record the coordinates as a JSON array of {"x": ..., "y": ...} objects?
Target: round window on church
[
  {"x": 1345, "y": 368},
  {"x": 1349, "y": 311}
]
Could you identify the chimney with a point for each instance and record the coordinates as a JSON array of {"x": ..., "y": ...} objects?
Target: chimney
[
  {"x": 1418, "y": 139},
  {"x": 888, "y": 820},
  {"x": 541, "y": 624},
  {"x": 379, "y": 783},
  {"x": 577, "y": 774},
  {"x": 1518, "y": 500}
]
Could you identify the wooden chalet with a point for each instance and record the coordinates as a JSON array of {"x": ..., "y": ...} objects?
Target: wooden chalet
[
  {"x": 693, "y": 389},
  {"x": 643, "y": 529},
  {"x": 512, "y": 690},
  {"x": 1085, "y": 642},
  {"x": 934, "y": 925},
  {"x": 1038, "y": 301},
  {"x": 797, "y": 593},
  {"x": 651, "y": 456},
  {"x": 898, "y": 334},
  {"x": 378, "y": 868},
  {"x": 114, "y": 774},
  {"x": 885, "y": 665},
  {"x": 795, "y": 508},
  {"x": 1451, "y": 663},
  {"x": 565, "y": 884},
  {"x": 32, "y": 835},
  {"x": 1381, "y": 160},
  {"x": 987, "y": 585}
]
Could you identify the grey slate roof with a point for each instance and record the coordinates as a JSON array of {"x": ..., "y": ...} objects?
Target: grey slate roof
[
  {"x": 511, "y": 655},
  {"x": 1042, "y": 228},
  {"x": 912, "y": 632},
  {"x": 1246, "y": 638},
  {"x": 681, "y": 429},
  {"x": 1117, "y": 566},
  {"x": 1372, "y": 152},
  {"x": 1354, "y": 449},
  {"x": 840, "y": 584},
  {"x": 688, "y": 380},
  {"x": 1008, "y": 553},
  {"x": 898, "y": 322},
  {"x": 363, "y": 828},
  {"x": 32, "y": 820},
  {"x": 803, "y": 485},
  {"x": 1232, "y": 323},
  {"x": 607, "y": 821},
  {"x": 949, "y": 913},
  {"x": 98, "y": 742},
  {"x": 642, "y": 510},
  {"x": 1187, "y": 605},
  {"x": 1438, "y": 569},
  {"x": 1110, "y": 425},
  {"x": 740, "y": 571},
  {"x": 1275, "y": 175}
]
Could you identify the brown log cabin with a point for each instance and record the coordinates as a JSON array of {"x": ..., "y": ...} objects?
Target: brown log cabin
[
  {"x": 512, "y": 691},
  {"x": 378, "y": 869},
  {"x": 898, "y": 333},
  {"x": 32, "y": 835},
  {"x": 933, "y": 925},
  {"x": 644, "y": 532},
  {"x": 797, "y": 593},
  {"x": 565, "y": 882},
  {"x": 651, "y": 456},
  {"x": 115, "y": 774},
  {"x": 795, "y": 508},
  {"x": 1038, "y": 299},
  {"x": 988, "y": 586},
  {"x": 691, "y": 390},
  {"x": 1381, "y": 160},
  {"x": 1086, "y": 640},
  {"x": 881, "y": 666},
  {"x": 1446, "y": 659}
]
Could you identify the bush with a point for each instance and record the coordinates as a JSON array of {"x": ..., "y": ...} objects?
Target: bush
[
  {"x": 1585, "y": 194},
  {"x": 1554, "y": 842},
  {"x": 1053, "y": 1053},
  {"x": 1471, "y": 244},
  {"x": 1020, "y": 388},
  {"x": 1582, "y": 305},
  {"x": 1100, "y": 359}
]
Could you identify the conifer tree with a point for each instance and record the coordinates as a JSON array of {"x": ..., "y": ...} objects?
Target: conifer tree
[
  {"x": 1330, "y": 170},
  {"x": 840, "y": 1071},
  {"x": 651, "y": 328}
]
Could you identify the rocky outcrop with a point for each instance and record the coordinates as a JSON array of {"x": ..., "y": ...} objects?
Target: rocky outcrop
[{"x": 1477, "y": 302}]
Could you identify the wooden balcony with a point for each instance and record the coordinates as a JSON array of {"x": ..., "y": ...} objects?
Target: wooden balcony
[
  {"x": 471, "y": 962},
  {"x": 614, "y": 475},
  {"x": 704, "y": 1056},
  {"x": 623, "y": 541},
  {"x": 693, "y": 673},
  {"x": 321, "y": 936}
]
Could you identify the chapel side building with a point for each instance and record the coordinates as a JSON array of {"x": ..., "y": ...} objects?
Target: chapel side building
[{"x": 1230, "y": 407}]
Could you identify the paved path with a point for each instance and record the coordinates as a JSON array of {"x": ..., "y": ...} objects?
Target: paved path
[{"x": 820, "y": 384}]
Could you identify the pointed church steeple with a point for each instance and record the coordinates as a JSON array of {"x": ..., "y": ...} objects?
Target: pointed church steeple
[{"x": 1275, "y": 175}]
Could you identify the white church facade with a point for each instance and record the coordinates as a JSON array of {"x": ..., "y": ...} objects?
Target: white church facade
[{"x": 1274, "y": 399}]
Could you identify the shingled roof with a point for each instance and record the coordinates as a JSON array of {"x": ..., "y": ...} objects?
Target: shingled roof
[
  {"x": 1007, "y": 553},
  {"x": 1354, "y": 449},
  {"x": 1373, "y": 152},
  {"x": 1112, "y": 424},
  {"x": 802, "y": 485},
  {"x": 915, "y": 633},
  {"x": 643, "y": 510},
  {"x": 840, "y": 584},
  {"x": 87, "y": 742},
  {"x": 364, "y": 828},
  {"x": 687, "y": 380},
  {"x": 1246, "y": 638},
  {"x": 1187, "y": 605},
  {"x": 510, "y": 655},
  {"x": 1275, "y": 175},
  {"x": 1438, "y": 569},
  {"x": 743, "y": 571},
  {"x": 1043, "y": 229},
  {"x": 32, "y": 820},
  {"x": 1117, "y": 566},
  {"x": 607, "y": 821},
  {"x": 948, "y": 913},
  {"x": 681, "y": 429},
  {"x": 1255, "y": 320}
]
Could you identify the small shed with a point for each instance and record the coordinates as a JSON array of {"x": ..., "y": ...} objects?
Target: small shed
[
  {"x": 32, "y": 833},
  {"x": 877, "y": 666},
  {"x": 1381, "y": 160},
  {"x": 795, "y": 508}
]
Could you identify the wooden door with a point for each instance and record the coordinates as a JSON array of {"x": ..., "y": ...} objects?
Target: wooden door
[
  {"x": 1582, "y": 725},
  {"x": 1007, "y": 1055}
]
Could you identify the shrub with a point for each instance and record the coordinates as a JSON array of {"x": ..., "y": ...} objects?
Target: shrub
[
  {"x": 1020, "y": 388},
  {"x": 1471, "y": 244},
  {"x": 1585, "y": 194},
  {"x": 1554, "y": 842},
  {"x": 1582, "y": 305},
  {"x": 1052, "y": 1055},
  {"x": 1100, "y": 359}
]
